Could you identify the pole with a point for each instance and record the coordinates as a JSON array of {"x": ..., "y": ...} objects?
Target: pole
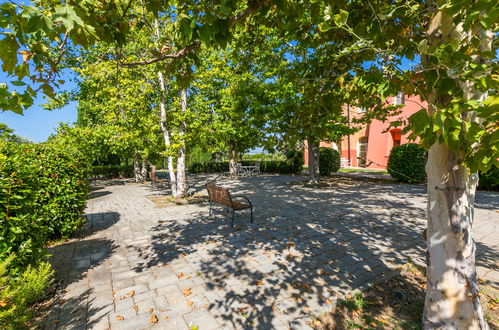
[{"x": 348, "y": 136}]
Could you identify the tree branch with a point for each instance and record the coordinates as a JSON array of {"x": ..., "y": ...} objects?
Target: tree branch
[{"x": 252, "y": 7}]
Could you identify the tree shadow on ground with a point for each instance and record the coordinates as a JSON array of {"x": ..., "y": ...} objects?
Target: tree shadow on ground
[
  {"x": 306, "y": 248},
  {"x": 72, "y": 261}
]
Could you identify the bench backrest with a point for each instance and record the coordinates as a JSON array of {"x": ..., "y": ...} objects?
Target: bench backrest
[
  {"x": 219, "y": 194},
  {"x": 152, "y": 176}
]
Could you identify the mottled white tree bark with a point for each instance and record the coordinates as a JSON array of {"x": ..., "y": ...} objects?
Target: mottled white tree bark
[
  {"x": 166, "y": 133},
  {"x": 136, "y": 168},
  {"x": 181, "y": 177},
  {"x": 452, "y": 300}
]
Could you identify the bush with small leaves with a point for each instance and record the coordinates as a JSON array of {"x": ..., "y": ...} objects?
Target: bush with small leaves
[
  {"x": 489, "y": 180},
  {"x": 17, "y": 292},
  {"x": 329, "y": 161},
  {"x": 406, "y": 163},
  {"x": 43, "y": 191}
]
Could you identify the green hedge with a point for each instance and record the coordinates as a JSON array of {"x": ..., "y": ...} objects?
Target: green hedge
[
  {"x": 489, "y": 180},
  {"x": 406, "y": 163},
  {"x": 291, "y": 166},
  {"x": 43, "y": 192},
  {"x": 329, "y": 161},
  {"x": 112, "y": 171}
]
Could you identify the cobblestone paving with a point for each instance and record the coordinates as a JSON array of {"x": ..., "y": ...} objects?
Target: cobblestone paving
[{"x": 141, "y": 266}]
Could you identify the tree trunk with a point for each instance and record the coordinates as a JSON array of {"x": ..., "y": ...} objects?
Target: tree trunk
[
  {"x": 136, "y": 168},
  {"x": 452, "y": 300},
  {"x": 232, "y": 161},
  {"x": 166, "y": 133},
  {"x": 181, "y": 177},
  {"x": 143, "y": 171},
  {"x": 452, "y": 295},
  {"x": 313, "y": 160}
]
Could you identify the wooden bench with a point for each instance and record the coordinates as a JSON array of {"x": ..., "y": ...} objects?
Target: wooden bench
[
  {"x": 222, "y": 196},
  {"x": 154, "y": 179}
]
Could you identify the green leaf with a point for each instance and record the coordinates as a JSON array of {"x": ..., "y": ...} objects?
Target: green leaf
[
  {"x": 8, "y": 53},
  {"x": 341, "y": 18}
]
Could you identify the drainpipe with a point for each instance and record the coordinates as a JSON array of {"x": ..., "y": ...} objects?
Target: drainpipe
[{"x": 348, "y": 136}]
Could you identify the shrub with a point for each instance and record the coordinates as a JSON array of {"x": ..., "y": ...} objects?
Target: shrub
[
  {"x": 329, "y": 161},
  {"x": 406, "y": 163},
  {"x": 295, "y": 160},
  {"x": 489, "y": 180},
  {"x": 43, "y": 190},
  {"x": 112, "y": 171},
  {"x": 17, "y": 293},
  {"x": 271, "y": 166}
]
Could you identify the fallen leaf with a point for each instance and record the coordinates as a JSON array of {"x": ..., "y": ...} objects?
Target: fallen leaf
[
  {"x": 188, "y": 277},
  {"x": 119, "y": 317},
  {"x": 131, "y": 293},
  {"x": 180, "y": 275},
  {"x": 317, "y": 323},
  {"x": 190, "y": 303},
  {"x": 165, "y": 317},
  {"x": 328, "y": 302},
  {"x": 136, "y": 308},
  {"x": 187, "y": 292},
  {"x": 260, "y": 282},
  {"x": 3, "y": 303},
  {"x": 307, "y": 309},
  {"x": 150, "y": 310},
  {"x": 114, "y": 292},
  {"x": 182, "y": 255},
  {"x": 290, "y": 244},
  {"x": 122, "y": 297},
  {"x": 154, "y": 319}
]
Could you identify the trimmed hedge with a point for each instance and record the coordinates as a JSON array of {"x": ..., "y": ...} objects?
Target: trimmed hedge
[
  {"x": 112, "y": 171},
  {"x": 489, "y": 180},
  {"x": 406, "y": 163},
  {"x": 43, "y": 192},
  {"x": 291, "y": 166},
  {"x": 329, "y": 161}
]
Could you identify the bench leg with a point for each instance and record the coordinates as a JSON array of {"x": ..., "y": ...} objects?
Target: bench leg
[
  {"x": 232, "y": 222},
  {"x": 251, "y": 214},
  {"x": 209, "y": 215}
]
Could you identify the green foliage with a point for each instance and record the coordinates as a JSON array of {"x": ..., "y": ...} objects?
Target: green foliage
[
  {"x": 489, "y": 180},
  {"x": 291, "y": 166},
  {"x": 112, "y": 171},
  {"x": 43, "y": 190},
  {"x": 329, "y": 161},
  {"x": 406, "y": 163},
  {"x": 295, "y": 160},
  {"x": 18, "y": 292}
]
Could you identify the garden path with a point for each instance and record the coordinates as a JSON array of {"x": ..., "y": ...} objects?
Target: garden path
[{"x": 140, "y": 266}]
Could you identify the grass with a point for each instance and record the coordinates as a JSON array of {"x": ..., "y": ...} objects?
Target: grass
[
  {"x": 396, "y": 303},
  {"x": 353, "y": 170}
]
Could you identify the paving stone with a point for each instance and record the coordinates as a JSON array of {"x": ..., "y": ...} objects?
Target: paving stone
[
  {"x": 333, "y": 239},
  {"x": 201, "y": 318}
]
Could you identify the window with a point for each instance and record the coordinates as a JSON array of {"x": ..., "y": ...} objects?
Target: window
[
  {"x": 399, "y": 99},
  {"x": 362, "y": 152},
  {"x": 396, "y": 136}
]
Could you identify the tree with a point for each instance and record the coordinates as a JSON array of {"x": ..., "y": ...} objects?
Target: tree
[
  {"x": 229, "y": 92},
  {"x": 457, "y": 44}
]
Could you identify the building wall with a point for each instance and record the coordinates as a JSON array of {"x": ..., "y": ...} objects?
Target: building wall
[{"x": 380, "y": 140}]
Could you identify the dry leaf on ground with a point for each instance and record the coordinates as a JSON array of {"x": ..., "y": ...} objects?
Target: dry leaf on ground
[
  {"x": 131, "y": 293},
  {"x": 119, "y": 317},
  {"x": 136, "y": 308},
  {"x": 154, "y": 319},
  {"x": 260, "y": 282},
  {"x": 180, "y": 275},
  {"x": 187, "y": 292}
]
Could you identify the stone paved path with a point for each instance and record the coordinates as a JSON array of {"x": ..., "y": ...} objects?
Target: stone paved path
[{"x": 307, "y": 247}]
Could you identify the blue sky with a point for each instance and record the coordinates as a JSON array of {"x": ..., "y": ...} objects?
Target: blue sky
[{"x": 36, "y": 123}]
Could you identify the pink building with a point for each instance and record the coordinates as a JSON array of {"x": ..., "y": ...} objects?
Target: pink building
[{"x": 371, "y": 146}]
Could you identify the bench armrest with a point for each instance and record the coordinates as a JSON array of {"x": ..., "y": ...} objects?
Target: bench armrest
[{"x": 241, "y": 196}]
